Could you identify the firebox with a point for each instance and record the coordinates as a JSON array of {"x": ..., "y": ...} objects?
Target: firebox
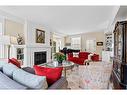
[{"x": 39, "y": 57}]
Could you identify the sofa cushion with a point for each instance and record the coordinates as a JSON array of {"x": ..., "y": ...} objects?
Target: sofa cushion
[
  {"x": 8, "y": 69},
  {"x": 1, "y": 65},
  {"x": 1, "y": 68},
  {"x": 84, "y": 55},
  {"x": 15, "y": 62},
  {"x": 52, "y": 74},
  {"x": 30, "y": 80},
  {"x": 2, "y": 62},
  {"x": 7, "y": 83}
]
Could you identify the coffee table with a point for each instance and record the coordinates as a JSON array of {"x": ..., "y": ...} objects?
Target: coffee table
[{"x": 67, "y": 65}]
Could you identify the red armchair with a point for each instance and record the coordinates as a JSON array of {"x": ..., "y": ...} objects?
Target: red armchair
[
  {"x": 80, "y": 59},
  {"x": 95, "y": 57}
]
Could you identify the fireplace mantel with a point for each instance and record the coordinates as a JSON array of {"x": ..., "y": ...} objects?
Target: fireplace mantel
[
  {"x": 37, "y": 46},
  {"x": 31, "y": 49}
]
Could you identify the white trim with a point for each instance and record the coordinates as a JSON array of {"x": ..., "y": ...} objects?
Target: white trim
[
  {"x": 2, "y": 49},
  {"x": 9, "y": 16}
]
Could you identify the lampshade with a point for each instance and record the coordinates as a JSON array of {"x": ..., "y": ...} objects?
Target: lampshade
[
  {"x": 13, "y": 40},
  {"x": 7, "y": 40},
  {"x": 4, "y": 40}
]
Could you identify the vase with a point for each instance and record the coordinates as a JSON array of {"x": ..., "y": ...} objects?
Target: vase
[{"x": 60, "y": 61}]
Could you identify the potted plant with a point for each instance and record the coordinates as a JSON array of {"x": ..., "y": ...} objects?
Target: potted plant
[{"x": 59, "y": 57}]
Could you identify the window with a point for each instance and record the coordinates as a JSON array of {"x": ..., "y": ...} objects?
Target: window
[
  {"x": 76, "y": 42},
  {"x": 91, "y": 45}
]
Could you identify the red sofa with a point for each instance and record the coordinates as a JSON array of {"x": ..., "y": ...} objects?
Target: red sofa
[
  {"x": 82, "y": 56},
  {"x": 80, "y": 59}
]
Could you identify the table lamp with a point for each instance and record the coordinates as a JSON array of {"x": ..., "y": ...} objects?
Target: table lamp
[{"x": 7, "y": 40}]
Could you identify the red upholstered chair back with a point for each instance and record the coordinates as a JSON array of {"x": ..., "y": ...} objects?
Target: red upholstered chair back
[
  {"x": 95, "y": 57},
  {"x": 83, "y": 55},
  {"x": 70, "y": 55}
]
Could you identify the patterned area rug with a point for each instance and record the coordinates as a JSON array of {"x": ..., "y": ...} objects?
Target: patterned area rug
[{"x": 73, "y": 79}]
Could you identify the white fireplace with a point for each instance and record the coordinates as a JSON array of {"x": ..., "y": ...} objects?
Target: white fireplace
[{"x": 30, "y": 51}]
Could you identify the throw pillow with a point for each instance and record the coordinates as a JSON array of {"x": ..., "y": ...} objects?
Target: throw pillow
[
  {"x": 30, "y": 80},
  {"x": 15, "y": 62},
  {"x": 52, "y": 74}
]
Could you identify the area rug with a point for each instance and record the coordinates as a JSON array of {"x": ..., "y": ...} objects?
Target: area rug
[{"x": 73, "y": 79}]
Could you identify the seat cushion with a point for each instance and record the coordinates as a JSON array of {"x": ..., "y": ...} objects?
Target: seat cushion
[
  {"x": 30, "y": 80},
  {"x": 80, "y": 61},
  {"x": 7, "y": 83},
  {"x": 52, "y": 74},
  {"x": 15, "y": 62},
  {"x": 8, "y": 69}
]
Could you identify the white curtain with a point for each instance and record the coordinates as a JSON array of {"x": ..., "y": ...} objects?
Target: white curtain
[{"x": 91, "y": 45}]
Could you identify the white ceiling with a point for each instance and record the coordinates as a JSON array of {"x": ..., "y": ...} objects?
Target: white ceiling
[
  {"x": 122, "y": 13},
  {"x": 66, "y": 19}
]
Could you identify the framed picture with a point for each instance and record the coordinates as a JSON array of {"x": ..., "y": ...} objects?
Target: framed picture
[
  {"x": 99, "y": 43},
  {"x": 40, "y": 36}
]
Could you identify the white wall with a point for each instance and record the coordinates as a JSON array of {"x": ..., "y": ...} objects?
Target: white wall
[
  {"x": 2, "y": 50},
  {"x": 30, "y": 42},
  {"x": 3, "y": 16},
  {"x": 13, "y": 28},
  {"x": 98, "y": 36},
  {"x": 30, "y": 33}
]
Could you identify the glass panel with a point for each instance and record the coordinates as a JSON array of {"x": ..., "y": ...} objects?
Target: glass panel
[
  {"x": 91, "y": 45},
  {"x": 76, "y": 43}
]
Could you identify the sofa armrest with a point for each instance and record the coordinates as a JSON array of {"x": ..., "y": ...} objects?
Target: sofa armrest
[{"x": 59, "y": 84}]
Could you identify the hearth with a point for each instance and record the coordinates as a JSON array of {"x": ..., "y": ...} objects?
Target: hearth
[{"x": 39, "y": 57}]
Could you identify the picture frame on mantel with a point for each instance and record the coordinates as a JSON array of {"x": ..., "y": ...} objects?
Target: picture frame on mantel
[{"x": 40, "y": 36}]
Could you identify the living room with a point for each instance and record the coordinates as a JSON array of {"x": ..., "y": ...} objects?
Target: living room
[{"x": 82, "y": 35}]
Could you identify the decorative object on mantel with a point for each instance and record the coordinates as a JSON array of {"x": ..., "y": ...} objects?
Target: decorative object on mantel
[
  {"x": 99, "y": 43},
  {"x": 19, "y": 40},
  {"x": 40, "y": 36},
  {"x": 59, "y": 57}
]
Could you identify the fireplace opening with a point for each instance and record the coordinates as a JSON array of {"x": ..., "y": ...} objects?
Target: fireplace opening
[{"x": 39, "y": 57}]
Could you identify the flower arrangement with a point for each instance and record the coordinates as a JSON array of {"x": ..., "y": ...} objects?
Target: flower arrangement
[{"x": 59, "y": 57}]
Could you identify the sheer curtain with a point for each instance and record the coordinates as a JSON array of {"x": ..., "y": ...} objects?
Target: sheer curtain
[
  {"x": 76, "y": 42},
  {"x": 91, "y": 45}
]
